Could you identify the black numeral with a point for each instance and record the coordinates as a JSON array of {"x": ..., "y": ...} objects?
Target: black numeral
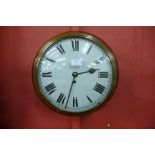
[
  {"x": 89, "y": 49},
  {"x": 61, "y": 98},
  {"x": 50, "y": 88},
  {"x": 50, "y": 60},
  {"x": 75, "y": 45},
  {"x": 75, "y": 102},
  {"x": 61, "y": 50},
  {"x": 47, "y": 74},
  {"x": 100, "y": 60},
  {"x": 103, "y": 74},
  {"x": 99, "y": 88},
  {"x": 89, "y": 99}
]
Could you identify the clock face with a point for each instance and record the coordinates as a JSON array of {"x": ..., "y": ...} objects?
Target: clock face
[{"x": 75, "y": 73}]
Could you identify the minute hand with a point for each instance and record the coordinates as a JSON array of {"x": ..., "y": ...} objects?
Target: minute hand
[
  {"x": 70, "y": 90},
  {"x": 91, "y": 71}
]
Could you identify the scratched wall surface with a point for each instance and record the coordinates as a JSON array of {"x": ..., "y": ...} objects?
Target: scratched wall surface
[{"x": 132, "y": 105}]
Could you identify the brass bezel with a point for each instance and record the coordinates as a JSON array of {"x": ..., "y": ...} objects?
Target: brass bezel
[{"x": 92, "y": 38}]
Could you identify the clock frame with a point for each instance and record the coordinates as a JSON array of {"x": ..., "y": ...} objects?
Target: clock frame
[{"x": 73, "y": 34}]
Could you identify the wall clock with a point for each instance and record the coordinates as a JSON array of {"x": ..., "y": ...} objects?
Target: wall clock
[{"x": 75, "y": 73}]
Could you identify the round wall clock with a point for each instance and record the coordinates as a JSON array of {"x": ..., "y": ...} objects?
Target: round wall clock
[{"x": 75, "y": 73}]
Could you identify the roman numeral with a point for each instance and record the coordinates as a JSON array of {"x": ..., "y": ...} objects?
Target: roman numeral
[
  {"x": 89, "y": 49},
  {"x": 100, "y": 60},
  {"x": 61, "y": 98},
  {"x": 50, "y": 60},
  {"x": 97, "y": 62},
  {"x": 75, "y": 102},
  {"x": 75, "y": 45},
  {"x": 102, "y": 74},
  {"x": 89, "y": 99},
  {"x": 47, "y": 74},
  {"x": 50, "y": 88},
  {"x": 99, "y": 88},
  {"x": 60, "y": 48}
]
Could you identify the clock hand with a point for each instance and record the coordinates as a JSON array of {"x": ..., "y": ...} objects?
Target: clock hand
[
  {"x": 74, "y": 74},
  {"x": 91, "y": 71}
]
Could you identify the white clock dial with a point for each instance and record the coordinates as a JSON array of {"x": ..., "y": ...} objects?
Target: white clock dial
[{"x": 74, "y": 74}]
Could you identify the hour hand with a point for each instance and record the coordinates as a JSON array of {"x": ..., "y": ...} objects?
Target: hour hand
[{"x": 91, "y": 71}]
